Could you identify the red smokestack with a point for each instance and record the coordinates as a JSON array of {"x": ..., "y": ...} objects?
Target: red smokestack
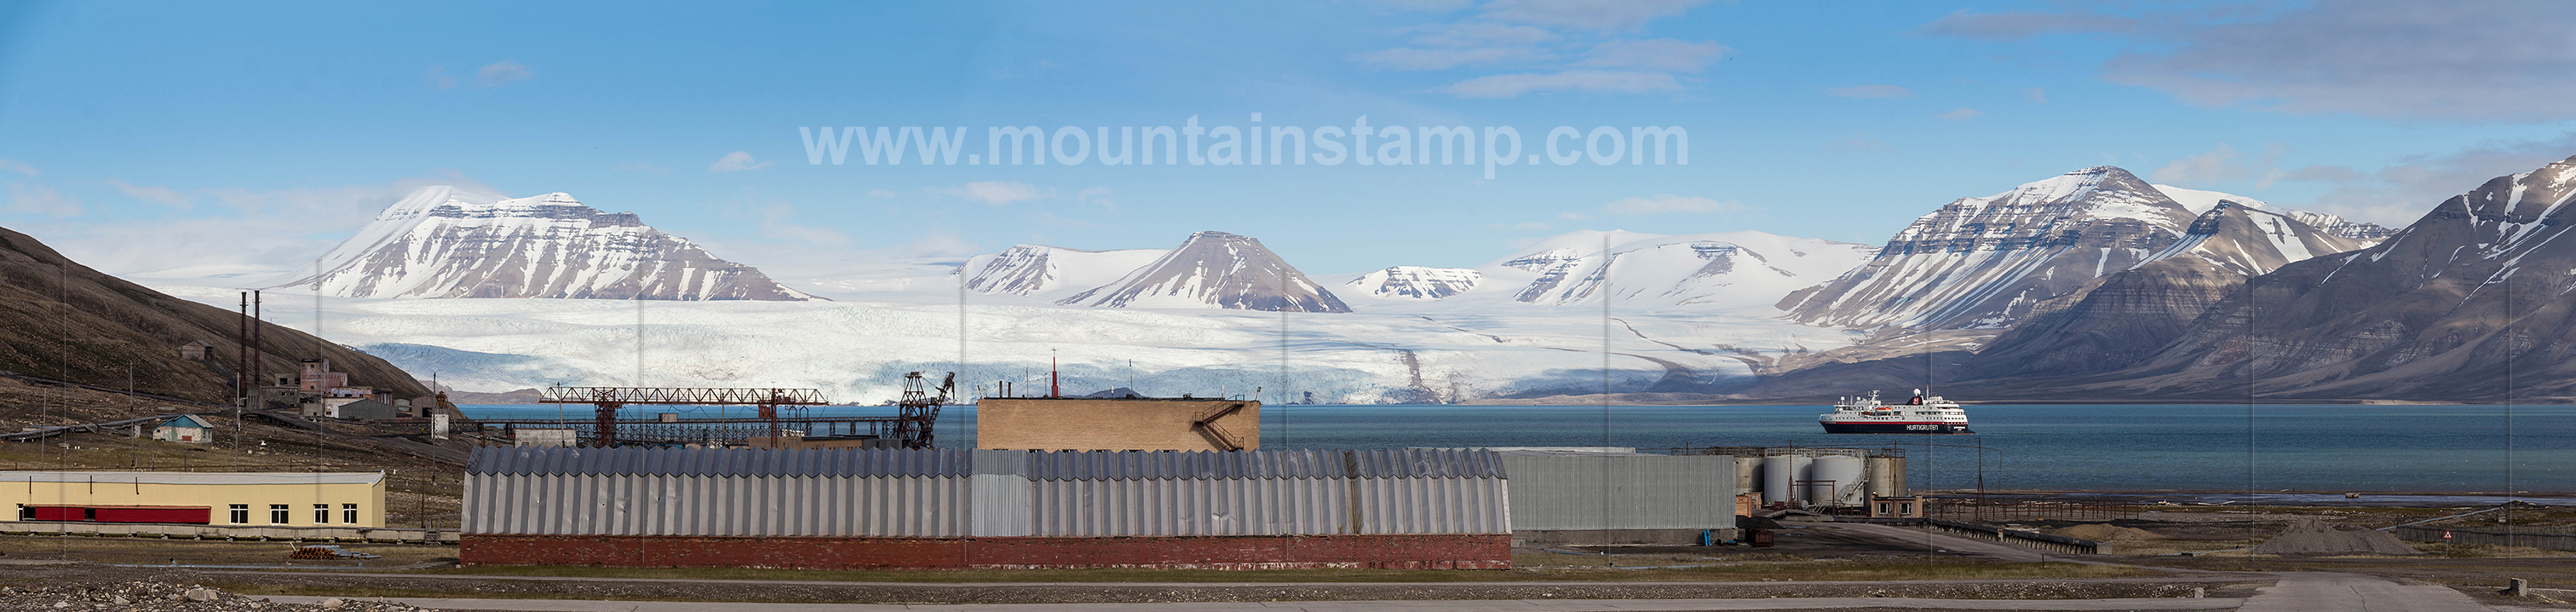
[{"x": 1052, "y": 389}]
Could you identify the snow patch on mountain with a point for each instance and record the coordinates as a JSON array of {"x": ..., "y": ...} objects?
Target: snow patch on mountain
[
  {"x": 1415, "y": 282},
  {"x": 1214, "y": 269},
  {"x": 1983, "y": 263},
  {"x": 1053, "y": 273},
  {"x": 1718, "y": 271},
  {"x": 445, "y": 242},
  {"x": 2200, "y": 202}
]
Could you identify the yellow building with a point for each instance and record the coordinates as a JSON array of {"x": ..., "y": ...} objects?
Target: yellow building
[
  {"x": 1117, "y": 424},
  {"x": 327, "y": 499}
]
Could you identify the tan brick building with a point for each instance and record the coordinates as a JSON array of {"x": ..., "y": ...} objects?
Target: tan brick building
[{"x": 1178, "y": 424}]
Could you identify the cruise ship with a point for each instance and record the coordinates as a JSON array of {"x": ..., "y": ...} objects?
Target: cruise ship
[{"x": 1924, "y": 414}]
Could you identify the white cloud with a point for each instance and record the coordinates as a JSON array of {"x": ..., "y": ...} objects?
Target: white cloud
[
  {"x": 158, "y": 195},
  {"x": 2462, "y": 60},
  {"x": 2219, "y": 164},
  {"x": 1587, "y": 14},
  {"x": 246, "y": 237},
  {"x": 2018, "y": 25},
  {"x": 1509, "y": 85},
  {"x": 2035, "y": 95},
  {"x": 41, "y": 200},
  {"x": 1478, "y": 34},
  {"x": 438, "y": 78},
  {"x": 17, "y": 166},
  {"x": 996, "y": 193},
  {"x": 1870, "y": 91},
  {"x": 1669, "y": 203},
  {"x": 1524, "y": 225},
  {"x": 736, "y": 162},
  {"x": 1096, "y": 196},
  {"x": 502, "y": 72},
  {"x": 1655, "y": 54},
  {"x": 1529, "y": 38},
  {"x": 777, "y": 221},
  {"x": 1409, "y": 58},
  {"x": 2398, "y": 193},
  {"x": 941, "y": 243},
  {"x": 1961, "y": 114}
]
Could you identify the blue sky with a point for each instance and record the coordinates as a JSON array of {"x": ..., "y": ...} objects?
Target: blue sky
[{"x": 169, "y": 138}]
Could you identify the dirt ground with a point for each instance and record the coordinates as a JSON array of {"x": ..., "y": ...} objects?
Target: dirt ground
[
  {"x": 154, "y": 551},
  {"x": 257, "y": 583}
]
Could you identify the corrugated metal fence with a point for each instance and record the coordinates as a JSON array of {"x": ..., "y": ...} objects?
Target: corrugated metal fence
[
  {"x": 1590, "y": 491},
  {"x": 960, "y": 493}
]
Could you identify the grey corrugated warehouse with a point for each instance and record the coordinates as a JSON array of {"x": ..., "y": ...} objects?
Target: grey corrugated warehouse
[
  {"x": 1593, "y": 496},
  {"x": 561, "y": 498},
  {"x": 949, "y": 492}
]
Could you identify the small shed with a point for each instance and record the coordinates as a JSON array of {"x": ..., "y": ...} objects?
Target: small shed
[
  {"x": 185, "y": 430},
  {"x": 195, "y": 350}
]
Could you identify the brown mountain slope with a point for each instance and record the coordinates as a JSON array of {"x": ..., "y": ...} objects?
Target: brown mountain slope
[{"x": 63, "y": 320}]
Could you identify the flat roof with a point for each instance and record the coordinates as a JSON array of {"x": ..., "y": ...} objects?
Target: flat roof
[{"x": 195, "y": 478}]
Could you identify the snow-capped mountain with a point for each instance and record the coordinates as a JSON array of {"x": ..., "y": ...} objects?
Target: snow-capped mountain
[
  {"x": 1414, "y": 282},
  {"x": 1052, "y": 273},
  {"x": 1984, "y": 263},
  {"x": 2200, "y": 202},
  {"x": 444, "y": 242},
  {"x": 2452, "y": 307},
  {"x": 2126, "y": 317},
  {"x": 1700, "y": 271},
  {"x": 1214, "y": 269}
]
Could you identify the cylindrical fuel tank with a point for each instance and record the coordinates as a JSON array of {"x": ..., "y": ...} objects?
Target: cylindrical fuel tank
[
  {"x": 1837, "y": 481},
  {"x": 1780, "y": 474},
  {"x": 1886, "y": 476},
  {"x": 1748, "y": 475}
]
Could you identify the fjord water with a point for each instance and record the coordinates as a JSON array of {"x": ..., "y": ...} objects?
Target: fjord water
[{"x": 2092, "y": 447}]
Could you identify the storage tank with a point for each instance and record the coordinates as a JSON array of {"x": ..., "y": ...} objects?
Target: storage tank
[
  {"x": 1779, "y": 473},
  {"x": 1844, "y": 473},
  {"x": 1748, "y": 474},
  {"x": 1886, "y": 476}
]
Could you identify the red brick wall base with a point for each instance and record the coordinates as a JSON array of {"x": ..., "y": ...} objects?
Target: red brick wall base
[{"x": 1458, "y": 551}]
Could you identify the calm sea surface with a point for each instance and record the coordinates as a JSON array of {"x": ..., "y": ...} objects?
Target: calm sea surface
[{"x": 2109, "y": 448}]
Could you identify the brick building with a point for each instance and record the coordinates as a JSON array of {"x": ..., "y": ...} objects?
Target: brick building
[{"x": 318, "y": 379}]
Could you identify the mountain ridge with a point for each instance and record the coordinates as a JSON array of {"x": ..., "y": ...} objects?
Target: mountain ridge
[{"x": 445, "y": 242}]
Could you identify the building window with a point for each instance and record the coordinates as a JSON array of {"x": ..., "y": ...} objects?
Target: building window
[
  {"x": 241, "y": 514},
  {"x": 321, "y": 514},
  {"x": 349, "y": 513},
  {"x": 278, "y": 514}
]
